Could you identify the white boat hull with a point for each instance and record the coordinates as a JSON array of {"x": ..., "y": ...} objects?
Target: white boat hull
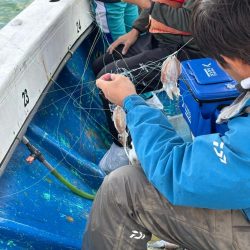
[{"x": 32, "y": 46}]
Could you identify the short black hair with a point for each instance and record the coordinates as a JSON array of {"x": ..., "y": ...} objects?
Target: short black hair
[{"x": 222, "y": 27}]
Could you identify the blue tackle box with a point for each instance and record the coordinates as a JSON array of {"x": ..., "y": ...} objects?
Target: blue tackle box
[{"x": 205, "y": 89}]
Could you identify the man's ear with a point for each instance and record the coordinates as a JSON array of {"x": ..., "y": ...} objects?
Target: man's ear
[
  {"x": 232, "y": 62},
  {"x": 237, "y": 68}
]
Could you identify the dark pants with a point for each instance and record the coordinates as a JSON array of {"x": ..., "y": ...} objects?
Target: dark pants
[
  {"x": 142, "y": 64},
  {"x": 128, "y": 209}
]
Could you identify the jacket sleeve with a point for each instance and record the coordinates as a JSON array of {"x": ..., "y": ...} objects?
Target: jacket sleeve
[
  {"x": 177, "y": 18},
  {"x": 142, "y": 22},
  {"x": 206, "y": 173}
]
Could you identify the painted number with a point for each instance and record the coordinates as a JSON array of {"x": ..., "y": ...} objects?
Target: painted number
[
  {"x": 25, "y": 97},
  {"x": 78, "y": 26}
]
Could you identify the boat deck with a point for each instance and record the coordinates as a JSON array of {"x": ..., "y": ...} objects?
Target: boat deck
[{"x": 36, "y": 210}]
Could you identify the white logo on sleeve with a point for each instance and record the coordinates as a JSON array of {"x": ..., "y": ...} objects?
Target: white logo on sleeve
[
  {"x": 137, "y": 235},
  {"x": 218, "y": 149}
]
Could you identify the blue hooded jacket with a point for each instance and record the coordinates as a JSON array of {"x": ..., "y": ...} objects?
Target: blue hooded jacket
[{"x": 211, "y": 172}]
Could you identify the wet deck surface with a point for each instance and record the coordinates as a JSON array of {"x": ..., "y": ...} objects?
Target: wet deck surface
[{"x": 36, "y": 210}]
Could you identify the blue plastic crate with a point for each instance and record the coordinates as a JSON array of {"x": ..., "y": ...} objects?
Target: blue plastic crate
[{"x": 205, "y": 89}]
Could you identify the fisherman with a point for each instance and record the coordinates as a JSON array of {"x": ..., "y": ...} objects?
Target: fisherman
[
  {"x": 114, "y": 17},
  {"x": 193, "y": 194},
  {"x": 166, "y": 24}
]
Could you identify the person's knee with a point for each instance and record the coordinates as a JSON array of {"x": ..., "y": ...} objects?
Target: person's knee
[
  {"x": 123, "y": 180},
  {"x": 121, "y": 183},
  {"x": 118, "y": 176},
  {"x": 113, "y": 186},
  {"x": 127, "y": 173}
]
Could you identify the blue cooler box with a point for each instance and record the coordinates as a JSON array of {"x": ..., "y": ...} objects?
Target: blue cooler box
[{"x": 205, "y": 89}]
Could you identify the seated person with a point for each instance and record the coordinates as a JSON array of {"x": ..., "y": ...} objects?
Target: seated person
[
  {"x": 114, "y": 17},
  {"x": 141, "y": 57},
  {"x": 183, "y": 192}
]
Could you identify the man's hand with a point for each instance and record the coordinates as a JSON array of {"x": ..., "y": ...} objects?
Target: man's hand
[
  {"x": 143, "y": 4},
  {"x": 127, "y": 40},
  {"x": 116, "y": 87}
]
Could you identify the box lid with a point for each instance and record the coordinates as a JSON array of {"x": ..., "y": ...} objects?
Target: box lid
[
  {"x": 207, "y": 80},
  {"x": 207, "y": 71}
]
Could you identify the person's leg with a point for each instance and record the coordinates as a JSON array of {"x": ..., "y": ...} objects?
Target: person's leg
[
  {"x": 130, "y": 15},
  {"x": 115, "y": 13},
  {"x": 143, "y": 43},
  {"x": 143, "y": 69},
  {"x": 101, "y": 16},
  {"x": 128, "y": 209},
  {"x": 115, "y": 19}
]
